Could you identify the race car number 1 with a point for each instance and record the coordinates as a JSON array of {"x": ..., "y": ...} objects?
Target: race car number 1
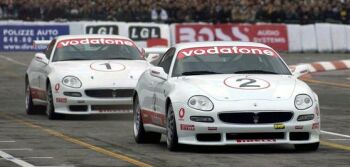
[
  {"x": 107, "y": 66},
  {"x": 246, "y": 83}
]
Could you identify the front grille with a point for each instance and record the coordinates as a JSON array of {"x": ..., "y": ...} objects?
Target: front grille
[
  {"x": 255, "y": 118},
  {"x": 209, "y": 137},
  {"x": 109, "y": 93},
  {"x": 78, "y": 108},
  {"x": 271, "y": 135},
  {"x": 299, "y": 136}
]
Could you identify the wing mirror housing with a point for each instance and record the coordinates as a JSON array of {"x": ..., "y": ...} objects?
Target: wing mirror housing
[
  {"x": 300, "y": 70},
  {"x": 158, "y": 72},
  {"x": 152, "y": 57},
  {"x": 41, "y": 57}
]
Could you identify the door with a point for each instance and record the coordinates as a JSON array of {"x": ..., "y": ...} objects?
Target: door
[{"x": 44, "y": 68}]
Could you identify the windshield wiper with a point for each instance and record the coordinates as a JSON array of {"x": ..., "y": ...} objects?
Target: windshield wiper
[
  {"x": 255, "y": 72},
  {"x": 199, "y": 72}
]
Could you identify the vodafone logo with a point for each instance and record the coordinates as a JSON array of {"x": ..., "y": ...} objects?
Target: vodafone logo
[
  {"x": 87, "y": 41},
  {"x": 226, "y": 50},
  {"x": 181, "y": 113}
]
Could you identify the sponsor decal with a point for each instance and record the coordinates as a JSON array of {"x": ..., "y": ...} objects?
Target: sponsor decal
[
  {"x": 21, "y": 37},
  {"x": 152, "y": 117},
  {"x": 38, "y": 93},
  {"x": 141, "y": 33},
  {"x": 102, "y": 29},
  {"x": 234, "y": 50},
  {"x": 299, "y": 127},
  {"x": 256, "y": 140},
  {"x": 88, "y": 41},
  {"x": 212, "y": 128},
  {"x": 274, "y": 35},
  {"x": 279, "y": 126},
  {"x": 57, "y": 87},
  {"x": 114, "y": 111},
  {"x": 106, "y": 66},
  {"x": 181, "y": 114},
  {"x": 316, "y": 125},
  {"x": 61, "y": 100},
  {"x": 187, "y": 127},
  {"x": 247, "y": 83}
]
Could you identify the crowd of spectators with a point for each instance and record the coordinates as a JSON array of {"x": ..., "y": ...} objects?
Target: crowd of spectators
[{"x": 170, "y": 11}]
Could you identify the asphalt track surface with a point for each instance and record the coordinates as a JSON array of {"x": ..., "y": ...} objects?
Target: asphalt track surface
[{"x": 107, "y": 140}]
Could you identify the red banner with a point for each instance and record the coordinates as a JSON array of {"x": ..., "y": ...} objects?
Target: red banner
[{"x": 274, "y": 35}]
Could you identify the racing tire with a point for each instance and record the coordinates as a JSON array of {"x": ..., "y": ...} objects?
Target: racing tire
[
  {"x": 171, "y": 133},
  {"x": 50, "y": 108},
  {"x": 140, "y": 135},
  {"x": 30, "y": 107},
  {"x": 307, "y": 147}
]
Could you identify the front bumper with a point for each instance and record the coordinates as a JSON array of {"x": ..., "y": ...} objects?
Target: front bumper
[
  {"x": 85, "y": 105},
  {"x": 222, "y": 133}
]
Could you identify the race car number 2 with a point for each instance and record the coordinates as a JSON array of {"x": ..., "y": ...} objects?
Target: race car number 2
[
  {"x": 246, "y": 83},
  {"x": 107, "y": 66}
]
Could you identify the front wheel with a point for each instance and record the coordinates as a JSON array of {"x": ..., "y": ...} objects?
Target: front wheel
[
  {"x": 172, "y": 139},
  {"x": 140, "y": 135},
  {"x": 307, "y": 147},
  {"x": 50, "y": 108},
  {"x": 29, "y": 100}
]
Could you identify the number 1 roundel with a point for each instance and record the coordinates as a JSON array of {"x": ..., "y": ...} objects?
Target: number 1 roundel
[
  {"x": 106, "y": 66},
  {"x": 248, "y": 83}
]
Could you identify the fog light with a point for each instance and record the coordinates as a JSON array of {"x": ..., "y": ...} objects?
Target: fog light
[
  {"x": 72, "y": 94},
  {"x": 306, "y": 117},
  {"x": 201, "y": 119}
]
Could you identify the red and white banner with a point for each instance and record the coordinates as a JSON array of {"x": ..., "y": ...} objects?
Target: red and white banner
[{"x": 274, "y": 35}]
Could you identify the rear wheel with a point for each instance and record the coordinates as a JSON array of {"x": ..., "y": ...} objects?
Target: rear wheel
[
  {"x": 307, "y": 147},
  {"x": 29, "y": 100},
  {"x": 172, "y": 139},
  {"x": 140, "y": 135},
  {"x": 50, "y": 108}
]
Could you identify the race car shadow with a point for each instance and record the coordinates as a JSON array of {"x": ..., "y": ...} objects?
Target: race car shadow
[{"x": 236, "y": 149}]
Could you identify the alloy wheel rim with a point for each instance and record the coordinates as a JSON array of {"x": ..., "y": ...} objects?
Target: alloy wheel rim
[
  {"x": 136, "y": 120},
  {"x": 49, "y": 101},
  {"x": 27, "y": 98}
]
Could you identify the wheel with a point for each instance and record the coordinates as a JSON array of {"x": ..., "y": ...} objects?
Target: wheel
[
  {"x": 307, "y": 147},
  {"x": 171, "y": 133},
  {"x": 30, "y": 108},
  {"x": 50, "y": 108},
  {"x": 140, "y": 135}
]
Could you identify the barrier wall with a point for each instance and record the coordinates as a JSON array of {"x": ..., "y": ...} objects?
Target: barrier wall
[{"x": 325, "y": 37}]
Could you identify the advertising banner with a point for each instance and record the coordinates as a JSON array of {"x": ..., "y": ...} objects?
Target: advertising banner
[{"x": 21, "y": 37}]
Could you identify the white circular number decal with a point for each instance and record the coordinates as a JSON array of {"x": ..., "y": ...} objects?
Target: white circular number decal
[
  {"x": 107, "y": 66},
  {"x": 246, "y": 83}
]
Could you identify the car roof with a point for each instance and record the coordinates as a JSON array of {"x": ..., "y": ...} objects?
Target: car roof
[
  {"x": 65, "y": 37},
  {"x": 218, "y": 43}
]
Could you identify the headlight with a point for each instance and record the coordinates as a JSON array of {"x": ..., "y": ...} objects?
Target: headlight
[
  {"x": 71, "y": 81},
  {"x": 303, "y": 102},
  {"x": 200, "y": 103}
]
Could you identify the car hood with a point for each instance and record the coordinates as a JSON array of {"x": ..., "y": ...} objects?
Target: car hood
[
  {"x": 244, "y": 87},
  {"x": 103, "y": 73}
]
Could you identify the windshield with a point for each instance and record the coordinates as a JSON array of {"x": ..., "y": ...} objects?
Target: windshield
[
  {"x": 228, "y": 60},
  {"x": 96, "y": 49}
]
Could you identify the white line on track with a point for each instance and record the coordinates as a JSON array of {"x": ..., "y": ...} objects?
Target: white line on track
[
  {"x": 15, "y": 160},
  {"x": 13, "y": 61},
  {"x": 8, "y": 141},
  {"x": 16, "y": 149},
  {"x": 335, "y": 134},
  {"x": 338, "y": 139}
]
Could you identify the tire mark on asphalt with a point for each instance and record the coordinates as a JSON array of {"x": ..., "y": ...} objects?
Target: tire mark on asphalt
[{"x": 65, "y": 137}]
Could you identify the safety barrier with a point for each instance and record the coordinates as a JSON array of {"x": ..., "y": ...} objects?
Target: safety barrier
[{"x": 322, "y": 37}]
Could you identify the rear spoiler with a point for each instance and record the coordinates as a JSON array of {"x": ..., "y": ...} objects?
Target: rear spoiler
[{"x": 41, "y": 42}]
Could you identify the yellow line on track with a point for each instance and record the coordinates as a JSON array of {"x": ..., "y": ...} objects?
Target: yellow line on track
[
  {"x": 115, "y": 155},
  {"x": 327, "y": 83},
  {"x": 335, "y": 145}
]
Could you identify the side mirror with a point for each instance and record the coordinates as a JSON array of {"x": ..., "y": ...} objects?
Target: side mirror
[
  {"x": 143, "y": 52},
  {"x": 41, "y": 57},
  {"x": 158, "y": 72},
  {"x": 300, "y": 70},
  {"x": 152, "y": 57}
]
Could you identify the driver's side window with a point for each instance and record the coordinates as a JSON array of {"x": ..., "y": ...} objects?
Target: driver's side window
[
  {"x": 49, "y": 49},
  {"x": 165, "y": 62}
]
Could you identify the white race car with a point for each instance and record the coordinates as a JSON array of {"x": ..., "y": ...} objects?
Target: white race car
[
  {"x": 225, "y": 93},
  {"x": 84, "y": 74}
]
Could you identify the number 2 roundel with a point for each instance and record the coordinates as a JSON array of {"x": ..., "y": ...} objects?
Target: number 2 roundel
[
  {"x": 106, "y": 66},
  {"x": 248, "y": 83}
]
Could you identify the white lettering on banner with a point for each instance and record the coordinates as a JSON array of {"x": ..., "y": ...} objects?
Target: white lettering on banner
[
  {"x": 13, "y": 32},
  {"x": 103, "y": 41},
  {"x": 226, "y": 50},
  {"x": 43, "y": 32}
]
